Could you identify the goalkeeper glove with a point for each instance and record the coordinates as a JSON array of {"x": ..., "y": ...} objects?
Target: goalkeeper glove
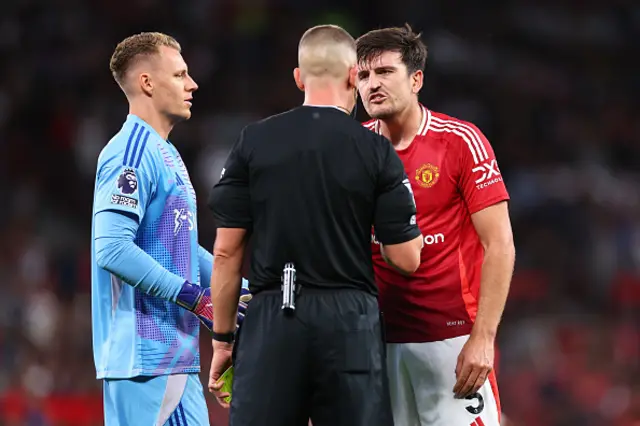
[{"x": 198, "y": 300}]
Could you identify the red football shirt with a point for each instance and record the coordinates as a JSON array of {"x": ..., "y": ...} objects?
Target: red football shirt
[{"x": 453, "y": 174}]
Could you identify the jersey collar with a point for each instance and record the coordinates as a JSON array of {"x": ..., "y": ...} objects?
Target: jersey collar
[
  {"x": 328, "y": 106},
  {"x": 132, "y": 118}
]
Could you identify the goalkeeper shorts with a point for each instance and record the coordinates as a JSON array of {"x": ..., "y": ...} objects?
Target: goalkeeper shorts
[{"x": 170, "y": 400}]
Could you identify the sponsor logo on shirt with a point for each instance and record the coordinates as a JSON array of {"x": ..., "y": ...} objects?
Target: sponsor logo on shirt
[
  {"x": 489, "y": 174},
  {"x": 429, "y": 239},
  {"x": 427, "y": 175},
  {"x": 433, "y": 239},
  {"x": 182, "y": 218}
]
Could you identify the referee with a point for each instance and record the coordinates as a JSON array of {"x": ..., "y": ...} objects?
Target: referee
[{"x": 307, "y": 186}]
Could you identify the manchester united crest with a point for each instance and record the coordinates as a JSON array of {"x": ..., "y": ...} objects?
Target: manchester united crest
[{"x": 427, "y": 175}]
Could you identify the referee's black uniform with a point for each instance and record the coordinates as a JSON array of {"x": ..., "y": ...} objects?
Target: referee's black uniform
[{"x": 309, "y": 184}]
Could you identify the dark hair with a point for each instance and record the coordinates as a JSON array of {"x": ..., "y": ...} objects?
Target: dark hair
[
  {"x": 129, "y": 49},
  {"x": 403, "y": 40}
]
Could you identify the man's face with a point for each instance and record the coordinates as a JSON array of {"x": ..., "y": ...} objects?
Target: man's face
[
  {"x": 385, "y": 86},
  {"x": 173, "y": 86}
]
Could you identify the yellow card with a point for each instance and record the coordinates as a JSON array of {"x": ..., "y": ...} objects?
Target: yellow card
[{"x": 227, "y": 378}]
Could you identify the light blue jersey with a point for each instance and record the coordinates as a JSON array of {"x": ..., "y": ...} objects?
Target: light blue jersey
[{"x": 142, "y": 175}]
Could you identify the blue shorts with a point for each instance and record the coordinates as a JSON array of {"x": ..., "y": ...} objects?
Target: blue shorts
[{"x": 171, "y": 400}]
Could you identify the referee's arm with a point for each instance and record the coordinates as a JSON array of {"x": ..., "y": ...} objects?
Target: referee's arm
[
  {"x": 395, "y": 214},
  {"x": 230, "y": 203}
]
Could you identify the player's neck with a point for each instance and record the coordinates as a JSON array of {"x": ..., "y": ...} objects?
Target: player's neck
[
  {"x": 402, "y": 128},
  {"x": 159, "y": 122}
]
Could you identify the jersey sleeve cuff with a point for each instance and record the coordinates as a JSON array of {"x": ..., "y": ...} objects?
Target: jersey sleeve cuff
[
  {"x": 229, "y": 223},
  {"x": 129, "y": 212},
  {"x": 409, "y": 235},
  {"x": 488, "y": 203}
]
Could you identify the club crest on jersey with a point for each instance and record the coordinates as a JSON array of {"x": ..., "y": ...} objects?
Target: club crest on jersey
[
  {"x": 427, "y": 175},
  {"x": 127, "y": 182}
]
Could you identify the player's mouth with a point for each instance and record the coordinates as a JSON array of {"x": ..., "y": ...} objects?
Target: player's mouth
[
  {"x": 377, "y": 98},
  {"x": 189, "y": 101}
]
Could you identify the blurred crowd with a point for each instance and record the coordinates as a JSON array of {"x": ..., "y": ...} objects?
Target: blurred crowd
[{"x": 551, "y": 83}]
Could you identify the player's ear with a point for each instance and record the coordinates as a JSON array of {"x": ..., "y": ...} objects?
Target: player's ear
[
  {"x": 298, "y": 78},
  {"x": 417, "y": 79},
  {"x": 146, "y": 85}
]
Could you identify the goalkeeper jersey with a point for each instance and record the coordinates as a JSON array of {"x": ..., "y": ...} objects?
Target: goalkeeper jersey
[{"x": 142, "y": 175}]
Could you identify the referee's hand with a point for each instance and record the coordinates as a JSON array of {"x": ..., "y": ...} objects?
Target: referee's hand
[{"x": 219, "y": 363}]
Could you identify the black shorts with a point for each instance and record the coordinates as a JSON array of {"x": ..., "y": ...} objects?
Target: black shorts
[{"x": 326, "y": 362}]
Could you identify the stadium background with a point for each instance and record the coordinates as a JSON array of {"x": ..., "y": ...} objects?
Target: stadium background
[{"x": 551, "y": 84}]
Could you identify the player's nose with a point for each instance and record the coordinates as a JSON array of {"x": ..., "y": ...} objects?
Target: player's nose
[
  {"x": 192, "y": 86},
  {"x": 374, "y": 82}
]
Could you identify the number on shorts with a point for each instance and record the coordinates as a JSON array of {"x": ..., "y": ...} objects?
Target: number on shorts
[{"x": 477, "y": 409}]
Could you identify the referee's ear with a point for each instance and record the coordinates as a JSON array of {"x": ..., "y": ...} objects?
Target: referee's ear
[
  {"x": 298, "y": 79},
  {"x": 353, "y": 77}
]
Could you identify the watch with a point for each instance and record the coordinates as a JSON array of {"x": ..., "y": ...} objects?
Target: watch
[{"x": 229, "y": 337}]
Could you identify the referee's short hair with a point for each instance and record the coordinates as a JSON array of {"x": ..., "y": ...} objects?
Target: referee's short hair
[{"x": 326, "y": 51}]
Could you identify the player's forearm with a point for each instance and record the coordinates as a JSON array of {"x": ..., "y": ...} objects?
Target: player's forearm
[
  {"x": 135, "y": 267},
  {"x": 225, "y": 291},
  {"x": 117, "y": 253},
  {"x": 497, "y": 270}
]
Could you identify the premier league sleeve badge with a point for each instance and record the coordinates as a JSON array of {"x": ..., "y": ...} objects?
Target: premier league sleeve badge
[{"x": 127, "y": 182}]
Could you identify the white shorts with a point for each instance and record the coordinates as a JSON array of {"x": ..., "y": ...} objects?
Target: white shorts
[{"x": 421, "y": 380}]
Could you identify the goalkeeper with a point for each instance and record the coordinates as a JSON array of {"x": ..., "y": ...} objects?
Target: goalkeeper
[{"x": 147, "y": 266}]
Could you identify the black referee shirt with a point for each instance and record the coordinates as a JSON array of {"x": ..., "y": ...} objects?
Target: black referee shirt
[{"x": 308, "y": 185}]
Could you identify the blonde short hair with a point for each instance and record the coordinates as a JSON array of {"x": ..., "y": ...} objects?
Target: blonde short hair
[
  {"x": 132, "y": 48},
  {"x": 326, "y": 50}
]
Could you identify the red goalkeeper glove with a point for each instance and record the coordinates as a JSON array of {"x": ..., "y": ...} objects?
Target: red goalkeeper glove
[{"x": 198, "y": 300}]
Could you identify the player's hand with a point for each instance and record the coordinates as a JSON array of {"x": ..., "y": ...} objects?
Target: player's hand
[
  {"x": 219, "y": 363},
  {"x": 198, "y": 300},
  {"x": 243, "y": 304},
  {"x": 475, "y": 362}
]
